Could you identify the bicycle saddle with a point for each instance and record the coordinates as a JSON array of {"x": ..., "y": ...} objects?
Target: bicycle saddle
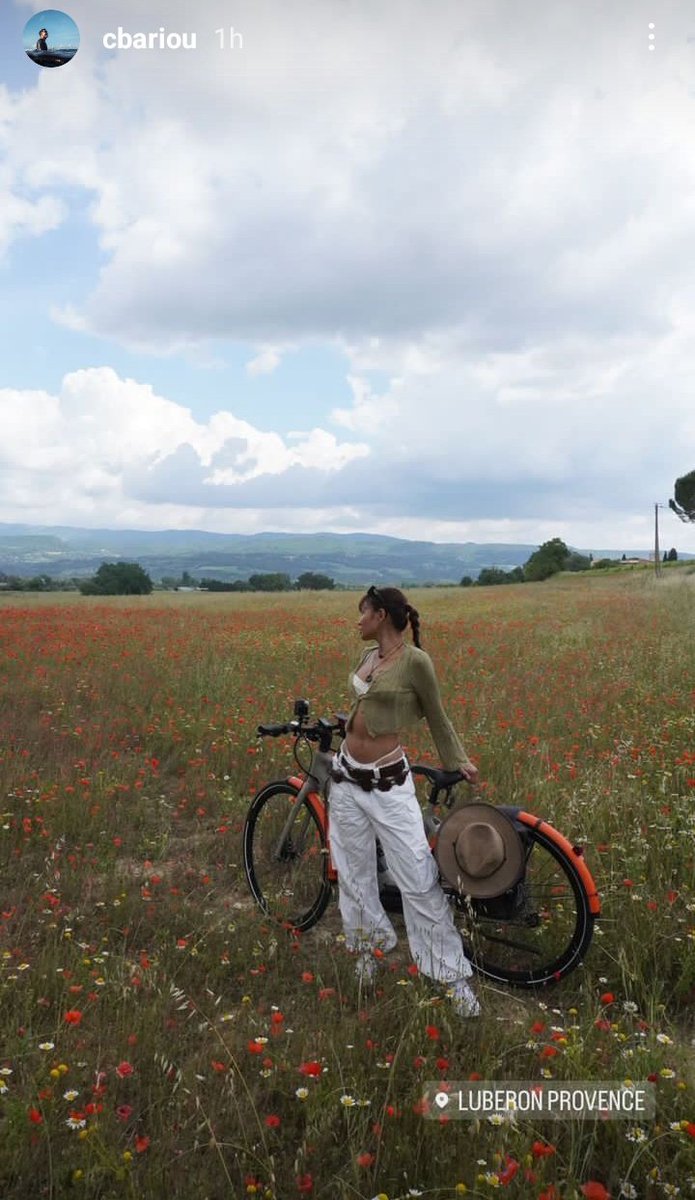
[{"x": 440, "y": 779}]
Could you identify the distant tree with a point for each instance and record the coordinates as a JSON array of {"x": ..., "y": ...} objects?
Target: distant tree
[
  {"x": 467, "y": 581},
  {"x": 665, "y": 556},
  {"x": 683, "y": 504},
  {"x": 187, "y": 580},
  {"x": 547, "y": 560},
  {"x": 274, "y": 582},
  {"x": 577, "y": 562},
  {"x": 311, "y": 581},
  {"x": 489, "y": 576},
  {"x": 672, "y": 555},
  {"x": 224, "y": 585},
  {"x": 40, "y": 583},
  {"x": 624, "y": 558},
  {"x": 118, "y": 579},
  {"x": 602, "y": 563}
]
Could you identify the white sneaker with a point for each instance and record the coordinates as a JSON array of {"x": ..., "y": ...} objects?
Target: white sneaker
[{"x": 464, "y": 1000}]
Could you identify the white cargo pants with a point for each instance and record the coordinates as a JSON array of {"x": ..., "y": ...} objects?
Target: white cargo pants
[{"x": 356, "y": 818}]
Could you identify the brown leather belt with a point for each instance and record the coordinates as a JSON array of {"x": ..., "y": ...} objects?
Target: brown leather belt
[{"x": 368, "y": 780}]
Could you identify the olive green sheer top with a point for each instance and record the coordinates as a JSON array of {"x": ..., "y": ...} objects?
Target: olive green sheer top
[{"x": 403, "y": 694}]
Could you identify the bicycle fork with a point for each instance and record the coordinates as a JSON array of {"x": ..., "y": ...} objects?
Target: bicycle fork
[{"x": 299, "y": 815}]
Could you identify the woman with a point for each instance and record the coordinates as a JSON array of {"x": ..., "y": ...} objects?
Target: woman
[{"x": 372, "y": 795}]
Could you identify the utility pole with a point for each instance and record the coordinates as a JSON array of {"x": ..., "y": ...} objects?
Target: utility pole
[{"x": 657, "y": 559}]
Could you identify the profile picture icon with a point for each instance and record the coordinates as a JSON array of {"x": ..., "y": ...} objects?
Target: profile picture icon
[{"x": 51, "y": 38}]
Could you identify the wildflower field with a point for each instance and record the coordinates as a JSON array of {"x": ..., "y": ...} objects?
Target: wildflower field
[{"x": 159, "y": 1038}]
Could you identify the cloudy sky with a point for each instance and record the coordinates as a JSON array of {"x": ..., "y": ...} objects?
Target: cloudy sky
[{"x": 419, "y": 267}]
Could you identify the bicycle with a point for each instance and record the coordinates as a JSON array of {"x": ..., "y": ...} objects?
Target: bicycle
[{"x": 534, "y": 934}]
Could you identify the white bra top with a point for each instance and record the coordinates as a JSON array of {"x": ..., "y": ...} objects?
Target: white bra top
[{"x": 360, "y": 686}]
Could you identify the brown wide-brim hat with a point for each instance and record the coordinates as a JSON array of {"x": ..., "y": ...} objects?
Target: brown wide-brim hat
[{"x": 479, "y": 851}]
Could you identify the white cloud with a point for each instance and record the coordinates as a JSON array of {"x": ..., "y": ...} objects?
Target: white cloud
[
  {"x": 491, "y": 206},
  {"x": 369, "y": 411},
  {"x": 114, "y": 443},
  {"x": 358, "y": 169},
  {"x": 265, "y": 362}
]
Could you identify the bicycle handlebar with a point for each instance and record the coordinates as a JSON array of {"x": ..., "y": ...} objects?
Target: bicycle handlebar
[
  {"x": 272, "y": 730},
  {"x": 322, "y": 732}
]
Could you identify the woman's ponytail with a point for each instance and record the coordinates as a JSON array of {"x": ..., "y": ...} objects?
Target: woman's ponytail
[{"x": 414, "y": 618}]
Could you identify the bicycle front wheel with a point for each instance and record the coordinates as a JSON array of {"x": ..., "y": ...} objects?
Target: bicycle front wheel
[
  {"x": 539, "y": 931},
  {"x": 286, "y": 861}
]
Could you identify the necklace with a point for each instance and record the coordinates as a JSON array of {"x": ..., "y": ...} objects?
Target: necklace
[{"x": 382, "y": 658}]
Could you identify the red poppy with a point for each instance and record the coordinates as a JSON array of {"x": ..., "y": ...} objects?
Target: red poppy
[
  {"x": 509, "y": 1171},
  {"x": 277, "y": 1018},
  {"x": 549, "y": 1051},
  {"x": 142, "y": 1143},
  {"x": 124, "y": 1112},
  {"x": 73, "y": 1017},
  {"x": 307, "y": 977},
  {"x": 35, "y": 1116},
  {"x": 255, "y": 1047},
  {"x": 432, "y": 1033},
  {"x": 595, "y": 1191},
  {"x": 690, "y": 1129},
  {"x": 542, "y": 1150},
  {"x": 366, "y": 1159},
  {"x": 305, "y": 1184},
  {"x": 218, "y": 1066},
  {"x": 313, "y": 1069},
  {"x": 123, "y": 1070},
  {"x": 607, "y": 998},
  {"x": 273, "y": 1121},
  {"x": 538, "y": 1027}
]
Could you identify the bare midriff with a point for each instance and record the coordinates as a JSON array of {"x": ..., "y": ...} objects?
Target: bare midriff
[{"x": 359, "y": 741}]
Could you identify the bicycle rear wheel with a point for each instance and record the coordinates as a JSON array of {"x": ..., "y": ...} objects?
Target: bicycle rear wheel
[
  {"x": 288, "y": 879},
  {"x": 539, "y": 931}
]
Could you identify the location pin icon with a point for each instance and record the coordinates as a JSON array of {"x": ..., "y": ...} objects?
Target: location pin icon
[{"x": 441, "y": 1099}]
